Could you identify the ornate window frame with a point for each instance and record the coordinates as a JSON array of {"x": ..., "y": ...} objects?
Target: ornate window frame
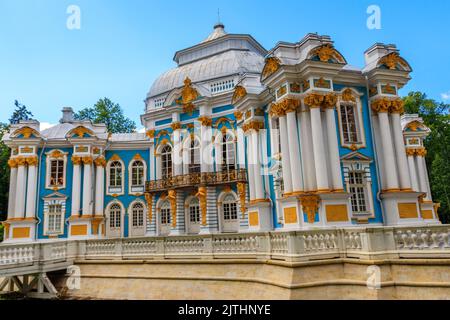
[
  {"x": 158, "y": 156},
  {"x": 357, "y": 105},
  {"x": 136, "y": 190},
  {"x": 360, "y": 165},
  {"x": 55, "y": 199},
  {"x": 115, "y": 192},
  {"x": 122, "y": 215},
  {"x": 144, "y": 213},
  {"x": 218, "y": 146},
  {"x": 220, "y": 208},
  {"x": 55, "y": 155}
]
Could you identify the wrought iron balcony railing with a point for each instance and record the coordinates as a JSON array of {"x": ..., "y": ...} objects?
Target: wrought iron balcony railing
[{"x": 197, "y": 179}]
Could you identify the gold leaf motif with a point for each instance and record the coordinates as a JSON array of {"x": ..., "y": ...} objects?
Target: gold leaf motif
[
  {"x": 391, "y": 60},
  {"x": 175, "y": 126},
  {"x": 81, "y": 132},
  {"x": 239, "y": 93},
  {"x": 201, "y": 195},
  {"x": 271, "y": 66},
  {"x": 238, "y": 115},
  {"x": 172, "y": 196},
  {"x": 241, "y": 187},
  {"x": 188, "y": 94},
  {"x": 347, "y": 95},
  {"x": 310, "y": 204},
  {"x": 205, "y": 121},
  {"x": 150, "y": 133}
]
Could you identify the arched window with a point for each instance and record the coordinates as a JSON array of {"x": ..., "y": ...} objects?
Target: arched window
[
  {"x": 229, "y": 208},
  {"x": 56, "y": 172},
  {"x": 137, "y": 174},
  {"x": 137, "y": 213},
  {"x": 166, "y": 162},
  {"x": 115, "y": 215},
  {"x": 165, "y": 213},
  {"x": 228, "y": 153},
  {"x": 349, "y": 122},
  {"x": 115, "y": 174},
  {"x": 194, "y": 156},
  {"x": 194, "y": 211}
]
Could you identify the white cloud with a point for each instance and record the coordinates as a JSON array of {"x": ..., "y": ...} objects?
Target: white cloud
[
  {"x": 142, "y": 130},
  {"x": 46, "y": 125},
  {"x": 445, "y": 95}
]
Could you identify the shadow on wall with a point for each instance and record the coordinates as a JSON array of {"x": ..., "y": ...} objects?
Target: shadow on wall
[{"x": 1, "y": 232}]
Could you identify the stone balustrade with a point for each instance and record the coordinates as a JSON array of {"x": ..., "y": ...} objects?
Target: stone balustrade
[{"x": 358, "y": 243}]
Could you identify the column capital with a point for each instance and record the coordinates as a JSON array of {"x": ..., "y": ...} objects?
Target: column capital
[
  {"x": 32, "y": 161},
  {"x": 316, "y": 100},
  {"x": 100, "y": 162},
  {"x": 12, "y": 163},
  {"x": 384, "y": 105},
  {"x": 176, "y": 126},
  {"x": 419, "y": 152},
  {"x": 205, "y": 121},
  {"x": 285, "y": 106},
  {"x": 253, "y": 125},
  {"x": 87, "y": 160},
  {"x": 76, "y": 160},
  {"x": 238, "y": 115},
  {"x": 21, "y": 161},
  {"x": 150, "y": 133}
]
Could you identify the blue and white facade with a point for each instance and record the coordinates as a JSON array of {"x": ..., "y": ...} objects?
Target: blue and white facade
[{"x": 238, "y": 139}]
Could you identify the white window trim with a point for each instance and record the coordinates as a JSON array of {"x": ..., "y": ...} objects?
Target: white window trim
[
  {"x": 364, "y": 166},
  {"x": 122, "y": 215},
  {"x": 359, "y": 118},
  {"x": 108, "y": 166},
  {"x": 48, "y": 161},
  {"x": 47, "y": 203},
  {"x": 218, "y": 146},
  {"x": 158, "y": 160},
  {"x": 220, "y": 211},
  {"x": 130, "y": 177},
  {"x": 130, "y": 214}
]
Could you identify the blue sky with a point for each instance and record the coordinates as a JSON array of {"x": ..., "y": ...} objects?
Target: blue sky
[{"x": 123, "y": 46}]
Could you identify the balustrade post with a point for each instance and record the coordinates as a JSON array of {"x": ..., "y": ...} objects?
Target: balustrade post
[
  {"x": 118, "y": 248},
  {"x": 263, "y": 242},
  {"x": 160, "y": 247},
  {"x": 208, "y": 247},
  {"x": 294, "y": 246}
]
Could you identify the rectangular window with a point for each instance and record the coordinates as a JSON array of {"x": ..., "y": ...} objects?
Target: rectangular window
[
  {"x": 56, "y": 173},
  {"x": 194, "y": 214},
  {"x": 349, "y": 124},
  {"x": 229, "y": 211},
  {"x": 54, "y": 219},
  {"x": 357, "y": 190}
]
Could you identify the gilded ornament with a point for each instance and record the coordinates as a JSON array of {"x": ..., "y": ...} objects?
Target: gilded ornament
[
  {"x": 150, "y": 133},
  {"x": 56, "y": 154},
  {"x": 238, "y": 115},
  {"x": 294, "y": 88},
  {"x": 389, "y": 89},
  {"x": 172, "y": 196},
  {"x": 87, "y": 160},
  {"x": 175, "y": 126},
  {"x": 205, "y": 121},
  {"x": 314, "y": 100},
  {"x": 306, "y": 85},
  {"x": 12, "y": 163},
  {"x": 253, "y": 125},
  {"x": 189, "y": 108},
  {"x": 239, "y": 93},
  {"x": 391, "y": 60},
  {"x": 330, "y": 101},
  {"x": 100, "y": 162},
  {"x": 81, "y": 132},
  {"x": 115, "y": 157},
  {"x": 241, "y": 188},
  {"x": 21, "y": 161},
  {"x": 322, "y": 83},
  {"x": 201, "y": 195},
  {"x": 149, "y": 199},
  {"x": 188, "y": 94},
  {"x": 347, "y": 96},
  {"x": 26, "y": 132},
  {"x": 271, "y": 66},
  {"x": 310, "y": 204},
  {"x": 32, "y": 161},
  {"x": 326, "y": 52},
  {"x": 76, "y": 160}
]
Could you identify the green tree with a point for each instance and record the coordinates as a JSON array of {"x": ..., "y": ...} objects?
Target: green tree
[
  {"x": 436, "y": 117},
  {"x": 20, "y": 113},
  {"x": 110, "y": 113}
]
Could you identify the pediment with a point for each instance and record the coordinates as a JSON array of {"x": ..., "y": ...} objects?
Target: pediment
[
  {"x": 55, "y": 196},
  {"x": 355, "y": 157}
]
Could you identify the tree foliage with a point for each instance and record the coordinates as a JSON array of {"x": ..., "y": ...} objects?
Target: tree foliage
[
  {"x": 110, "y": 113},
  {"x": 20, "y": 113},
  {"x": 436, "y": 117}
]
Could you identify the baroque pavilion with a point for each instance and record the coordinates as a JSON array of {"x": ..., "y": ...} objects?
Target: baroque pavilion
[{"x": 238, "y": 139}]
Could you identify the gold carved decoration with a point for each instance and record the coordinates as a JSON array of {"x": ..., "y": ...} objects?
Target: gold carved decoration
[
  {"x": 150, "y": 133},
  {"x": 21, "y": 161},
  {"x": 100, "y": 162},
  {"x": 306, "y": 85},
  {"x": 314, "y": 100},
  {"x": 32, "y": 161},
  {"x": 189, "y": 108},
  {"x": 326, "y": 52},
  {"x": 271, "y": 66},
  {"x": 172, "y": 197},
  {"x": 188, "y": 94},
  {"x": 201, "y": 195},
  {"x": 241, "y": 188},
  {"x": 253, "y": 125},
  {"x": 238, "y": 115},
  {"x": 330, "y": 101},
  {"x": 115, "y": 157},
  {"x": 26, "y": 132},
  {"x": 414, "y": 125},
  {"x": 322, "y": 83},
  {"x": 239, "y": 93},
  {"x": 149, "y": 199},
  {"x": 56, "y": 154},
  {"x": 347, "y": 96},
  {"x": 223, "y": 120},
  {"x": 137, "y": 156},
  {"x": 175, "y": 126},
  {"x": 384, "y": 105},
  {"x": 283, "y": 107},
  {"x": 391, "y": 60},
  {"x": 205, "y": 121},
  {"x": 88, "y": 160},
  {"x": 419, "y": 152},
  {"x": 81, "y": 132},
  {"x": 26, "y": 150},
  {"x": 76, "y": 160},
  {"x": 12, "y": 163},
  {"x": 310, "y": 204}
]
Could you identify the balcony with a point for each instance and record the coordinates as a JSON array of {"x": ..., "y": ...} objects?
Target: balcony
[{"x": 197, "y": 179}]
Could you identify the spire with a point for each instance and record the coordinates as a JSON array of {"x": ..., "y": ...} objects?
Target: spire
[{"x": 219, "y": 29}]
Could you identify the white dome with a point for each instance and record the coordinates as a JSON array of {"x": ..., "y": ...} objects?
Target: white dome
[{"x": 220, "y": 55}]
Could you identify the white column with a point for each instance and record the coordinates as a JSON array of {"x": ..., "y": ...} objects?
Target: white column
[
  {"x": 307, "y": 152},
  {"x": 99, "y": 188},
  {"x": 402, "y": 162},
  {"x": 87, "y": 187},
  {"x": 31, "y": 190},
  {"x": 241, "y": 148},
  {"x": 177, "y": 160},
  {"x": 206, "y": 148},
  {"x": 413, "y": 173},
  {"x": 420, "y": 161},
  {"x": 257, "y": 174},
  {"x": 76, "y": 186},
  {"x": 19, "y": 206},
  {"x": 333, "y": 150},
  {"x": 294, "y": 154},
  {"x": 12, "y": 189},
  {"x": 387, "y": 152},
  {"x": 319, "y": 150},
  {"x": 152, "y": 161},
  {"x": 250, "y": 167},
  {"x": 285, "y": 157}
]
